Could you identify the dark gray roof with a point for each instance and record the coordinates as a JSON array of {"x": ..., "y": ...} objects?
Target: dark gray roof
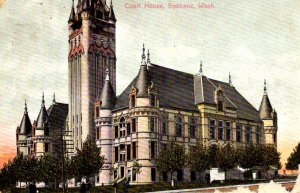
[
  {"x": 142, "y": 82},
  {"x": 42, "y": 119},
  {"x": 72, "y": 14},
  {"x": 57, "y": 115},
  {"x": 112, "y": 13},
  {"x": 176, "y": 90},
  {"x": 108, "y": 96},
  {"x": 265, "y": 109},
  {"x": 25, "y": 126}
]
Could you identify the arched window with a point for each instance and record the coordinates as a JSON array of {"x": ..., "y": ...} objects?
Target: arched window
[
  {"x": 178, "y": 126},
  {"x": 193, "y": 127}
]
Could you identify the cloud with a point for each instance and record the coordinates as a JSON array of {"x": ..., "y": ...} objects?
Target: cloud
[{"x": 1, "y": 3}]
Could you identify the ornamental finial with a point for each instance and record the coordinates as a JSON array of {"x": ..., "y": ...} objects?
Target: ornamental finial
[
  {"x": 43, "y": 100},
  {"x": 230, "y": 81},
  {"x": 265, "y": 87}
]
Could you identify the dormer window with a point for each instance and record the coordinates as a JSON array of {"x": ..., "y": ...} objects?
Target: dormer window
[
  {"x": 152, "y": 100},
  {"x": 220, "y": 106},
  {"x": 220, "y": 99},
  {"x": 132, "y": 101}
]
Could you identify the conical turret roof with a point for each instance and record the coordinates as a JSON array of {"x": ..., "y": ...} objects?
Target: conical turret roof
[
  {"x": 25, "y": 126},
  {"x": 143, "y": 78},
  {"x": 265, "y": 109},
  {"x": 72, "y": 14},
  {"x": 42, "y": 117},
  {"x": 111, "y": 15},
  {"x": 108, "y": 97}
]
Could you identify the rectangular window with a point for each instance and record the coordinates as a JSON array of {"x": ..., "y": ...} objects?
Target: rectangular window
[
  {"x": 97, "y": 133},
  {"x": 192, "y": 131},
  {"x": 153, "y": 149},
  {"x": 128, "y": 152},
  {"x": 152, "y": 100},
  {"x": 132, "y": 99},
  {"x": 122, "y": 152},
  {"x": 220, "y": 106},
  {"x": 133, "y": 125},
  {"x": 238, "y": 133},
  {"x": 220, "y": 130},
  {"x": 122, "y": 171},
  {"x": 248, "y": 134},
  {"x": 228, "y": 131},
  {"x": 128, "y": 127},
  {"x": 164, "y": 127},
  {"x": 212, "y": 129},
  {"x": 152, "y": 124},
  {"x": 133, "y": 150},
  {"x": 47, "y": 147},
  {"x": 116, "y": 131},
  {"x": 133, "y": 176},
  {"x": 116, "y": 154},
  {"x": 153, "y": 174}
]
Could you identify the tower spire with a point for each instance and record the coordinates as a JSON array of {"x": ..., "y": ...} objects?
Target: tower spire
[
  {"x": 265, "y": 88},
  {"x": 72, "y": 14},
  {"x": 230, "y": 81},
  {"x": 143, "y": 56},
  {"x": 25, "y": 112},
  {"x": 111, "y": 12},
  {"x": 201, "y": 69},
  {"x": 54, "y": 99},
  {"x": 148, "y": 57},
  {"x": 43, "y": 100}
]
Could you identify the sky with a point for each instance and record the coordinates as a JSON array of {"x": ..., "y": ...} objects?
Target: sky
[{"x": 253, "y": 40}]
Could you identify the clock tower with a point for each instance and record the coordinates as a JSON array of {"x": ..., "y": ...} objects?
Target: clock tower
[{"x": 92, "y": 49}]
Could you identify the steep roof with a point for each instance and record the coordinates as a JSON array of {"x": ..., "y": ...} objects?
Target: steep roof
[
  {"x": 176, "y": 89},
  {"x": 42, "y": 118},
  {"x": 265, "y": 109},
  {"x": 25, "y": 126},
  {"x": 108, "y": 96},
  {"x": 57, "y": 114}
]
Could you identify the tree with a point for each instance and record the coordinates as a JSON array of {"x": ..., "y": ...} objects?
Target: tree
[
  {"x": 251, "y": 156},
  {"x": 228, "y": 158},
  {"x": 294, "y": 159},
  {"x": 171, "y": 158},
  {"x": 88, "y": 160},
  {"x": 197, "y": 158},
  {"x": 271, "y": 157},
  {"x": 213, "y": 153},
  {"x": 50, "y": 169}
]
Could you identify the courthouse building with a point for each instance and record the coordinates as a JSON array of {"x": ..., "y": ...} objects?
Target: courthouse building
[{"x": 159, "y": 104}]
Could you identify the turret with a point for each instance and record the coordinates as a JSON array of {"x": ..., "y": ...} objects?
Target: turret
[
  {"x": 265, "y": 109},
  {"x": 23, "y": 132},
  {"x": 143, "y": 79},
  {"x": 111, "y": 15},
  {"x": 108, "y": 97},
  {"x": 72, "y": 14},
  {"x": 42, "y": 120},
  {"x": 104, "y": 130},
  {"x": 269, "y": 117},
  {"x": 41, "y": 143}
]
